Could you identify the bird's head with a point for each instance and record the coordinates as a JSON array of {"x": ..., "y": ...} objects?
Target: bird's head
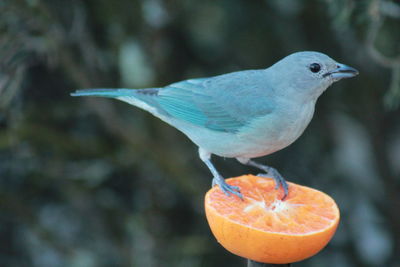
[{"x": 310, "y": 73}]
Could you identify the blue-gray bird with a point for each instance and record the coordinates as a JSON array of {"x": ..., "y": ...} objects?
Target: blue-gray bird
[{"x": 243, "y": 115}]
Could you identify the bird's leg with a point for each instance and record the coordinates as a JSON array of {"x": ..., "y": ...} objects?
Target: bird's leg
[
  {"x": 269, "y": 172},
  {"x": 218, "y": 179}
]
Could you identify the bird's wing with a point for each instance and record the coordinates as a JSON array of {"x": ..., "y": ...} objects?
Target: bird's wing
[{"x": 222, "y": 103}]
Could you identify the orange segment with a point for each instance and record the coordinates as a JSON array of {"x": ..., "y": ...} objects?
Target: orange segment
[{"x": 264, "y": 228}]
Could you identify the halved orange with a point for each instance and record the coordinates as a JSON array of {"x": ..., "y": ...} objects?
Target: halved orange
[{"x": 264, "y": 228}]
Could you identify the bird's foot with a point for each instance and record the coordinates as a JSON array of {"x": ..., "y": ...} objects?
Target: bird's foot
[
  {"x": 279, "y": 180},
  {"x": 226, "y": 188}
]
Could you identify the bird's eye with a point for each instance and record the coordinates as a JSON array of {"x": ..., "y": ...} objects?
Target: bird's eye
[{"x": 315, "y": 67}]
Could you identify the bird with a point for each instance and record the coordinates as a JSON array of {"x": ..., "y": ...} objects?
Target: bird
[{"x": 244, "y": 114}]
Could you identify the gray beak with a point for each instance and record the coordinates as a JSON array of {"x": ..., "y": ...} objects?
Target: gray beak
[{"x": 342, "y": 71}]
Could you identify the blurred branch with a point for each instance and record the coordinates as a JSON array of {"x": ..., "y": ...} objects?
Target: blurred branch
[
  {"x": 390, "y": 9},
  {"x": 377, "y": 10},
  {"x": 373, "y": 30},
  {"x": 392, "y": 96}
]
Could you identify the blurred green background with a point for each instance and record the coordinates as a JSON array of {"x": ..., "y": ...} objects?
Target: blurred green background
[{"x": 95, "y": 182}]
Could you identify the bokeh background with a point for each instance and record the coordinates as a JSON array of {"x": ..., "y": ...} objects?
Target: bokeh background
[{"x": 88, "y": 182}]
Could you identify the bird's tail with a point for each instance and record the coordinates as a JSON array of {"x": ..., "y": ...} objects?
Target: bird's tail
[
  {"x": 112, "y": 93},
  {"x": 143, "y": 98}
]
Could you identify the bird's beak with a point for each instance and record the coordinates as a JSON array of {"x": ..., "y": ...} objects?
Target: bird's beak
[{"x": 342, "y": 71}]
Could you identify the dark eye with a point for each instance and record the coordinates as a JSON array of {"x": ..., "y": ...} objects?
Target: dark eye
[{"x": 315, "y": 67}]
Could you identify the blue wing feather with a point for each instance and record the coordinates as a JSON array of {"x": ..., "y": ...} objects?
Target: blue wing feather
[{"x": 212, "y": 102}]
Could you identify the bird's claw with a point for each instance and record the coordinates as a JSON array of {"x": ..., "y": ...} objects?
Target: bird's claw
[
  {"x": 226, "y": 188},
  {"x": 279, "y": 180}
]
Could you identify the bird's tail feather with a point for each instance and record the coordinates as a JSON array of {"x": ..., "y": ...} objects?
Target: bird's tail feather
[
  {"x": 143, "y": 98},
  {"x": 112, "y": 93}
]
